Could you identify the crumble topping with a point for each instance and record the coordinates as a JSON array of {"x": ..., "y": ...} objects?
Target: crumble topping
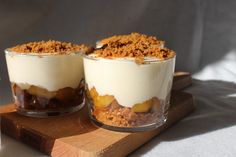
[
  {"x": 51, "y": 46},
  {"x": 134, "y": 45}
]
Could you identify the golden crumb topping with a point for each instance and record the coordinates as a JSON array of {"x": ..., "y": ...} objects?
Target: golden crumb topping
[
  {"x": 51, "y": 46},
  {"x": 133, "y": 45}
]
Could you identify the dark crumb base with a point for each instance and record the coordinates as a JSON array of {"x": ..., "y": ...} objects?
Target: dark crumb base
[{"x": 119, "y": 116}]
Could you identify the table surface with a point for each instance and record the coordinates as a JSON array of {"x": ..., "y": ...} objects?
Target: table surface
[{"x": 208, "y": 131}]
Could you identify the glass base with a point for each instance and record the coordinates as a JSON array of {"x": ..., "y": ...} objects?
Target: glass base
[
  {"x": 50, "y": 113},
  {"x": 142, "y": 128}
]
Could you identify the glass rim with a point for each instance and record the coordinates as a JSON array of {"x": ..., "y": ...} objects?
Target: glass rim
[
  {"x": 9, "y": 52},
  {"x": 127, "y": 60}
]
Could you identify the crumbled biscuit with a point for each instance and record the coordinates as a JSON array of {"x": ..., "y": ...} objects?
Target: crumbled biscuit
[
  {"x": 123, "y": 116},
  {"x": 134, "y": 45},
  {"x": 51, "y": 46}
]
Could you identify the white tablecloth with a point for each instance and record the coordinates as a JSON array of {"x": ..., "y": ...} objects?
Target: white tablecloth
[{"x": 209, "y": 131}]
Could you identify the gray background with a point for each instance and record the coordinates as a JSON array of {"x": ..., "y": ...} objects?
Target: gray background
[{"x": 200, "y": 31}]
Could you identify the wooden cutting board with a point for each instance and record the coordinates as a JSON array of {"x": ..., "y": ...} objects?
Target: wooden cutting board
[{"x": 75, "y": 136}]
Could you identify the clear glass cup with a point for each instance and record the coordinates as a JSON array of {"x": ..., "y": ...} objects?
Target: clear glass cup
[
  {"x": 46, "y": 85},
  {"x": 125, "y": 96}
]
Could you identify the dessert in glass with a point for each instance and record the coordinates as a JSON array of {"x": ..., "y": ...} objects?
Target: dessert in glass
[
  {"x": 47, "y": 77},
  {"x": 128, "y": 82}
]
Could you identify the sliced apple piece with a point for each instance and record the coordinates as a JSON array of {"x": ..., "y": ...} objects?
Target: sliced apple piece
[
  {"x": 41, "y": 92},
  {"x": 103, "y": 101},
  {"x": 142, "y": 107},
  {"x": 93, "y": 93}
]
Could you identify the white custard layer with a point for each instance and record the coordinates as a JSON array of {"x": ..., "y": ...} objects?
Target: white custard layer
[
  {"x": 51, "y": 72},
  {"x": 129, "y": 82}
]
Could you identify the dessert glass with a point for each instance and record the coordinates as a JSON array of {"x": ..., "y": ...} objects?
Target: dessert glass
[
  {"x": 125, "y": 96},
  {"x": 46, "y": 85}
]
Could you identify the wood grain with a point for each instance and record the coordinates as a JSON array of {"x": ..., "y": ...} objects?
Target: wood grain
[{"x": 74, "y": 135}]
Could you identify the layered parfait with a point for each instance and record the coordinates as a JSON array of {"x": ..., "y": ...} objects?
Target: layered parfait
[
  {"x": 128, "y": 82},
  {"x": 47, "y": 77}
]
